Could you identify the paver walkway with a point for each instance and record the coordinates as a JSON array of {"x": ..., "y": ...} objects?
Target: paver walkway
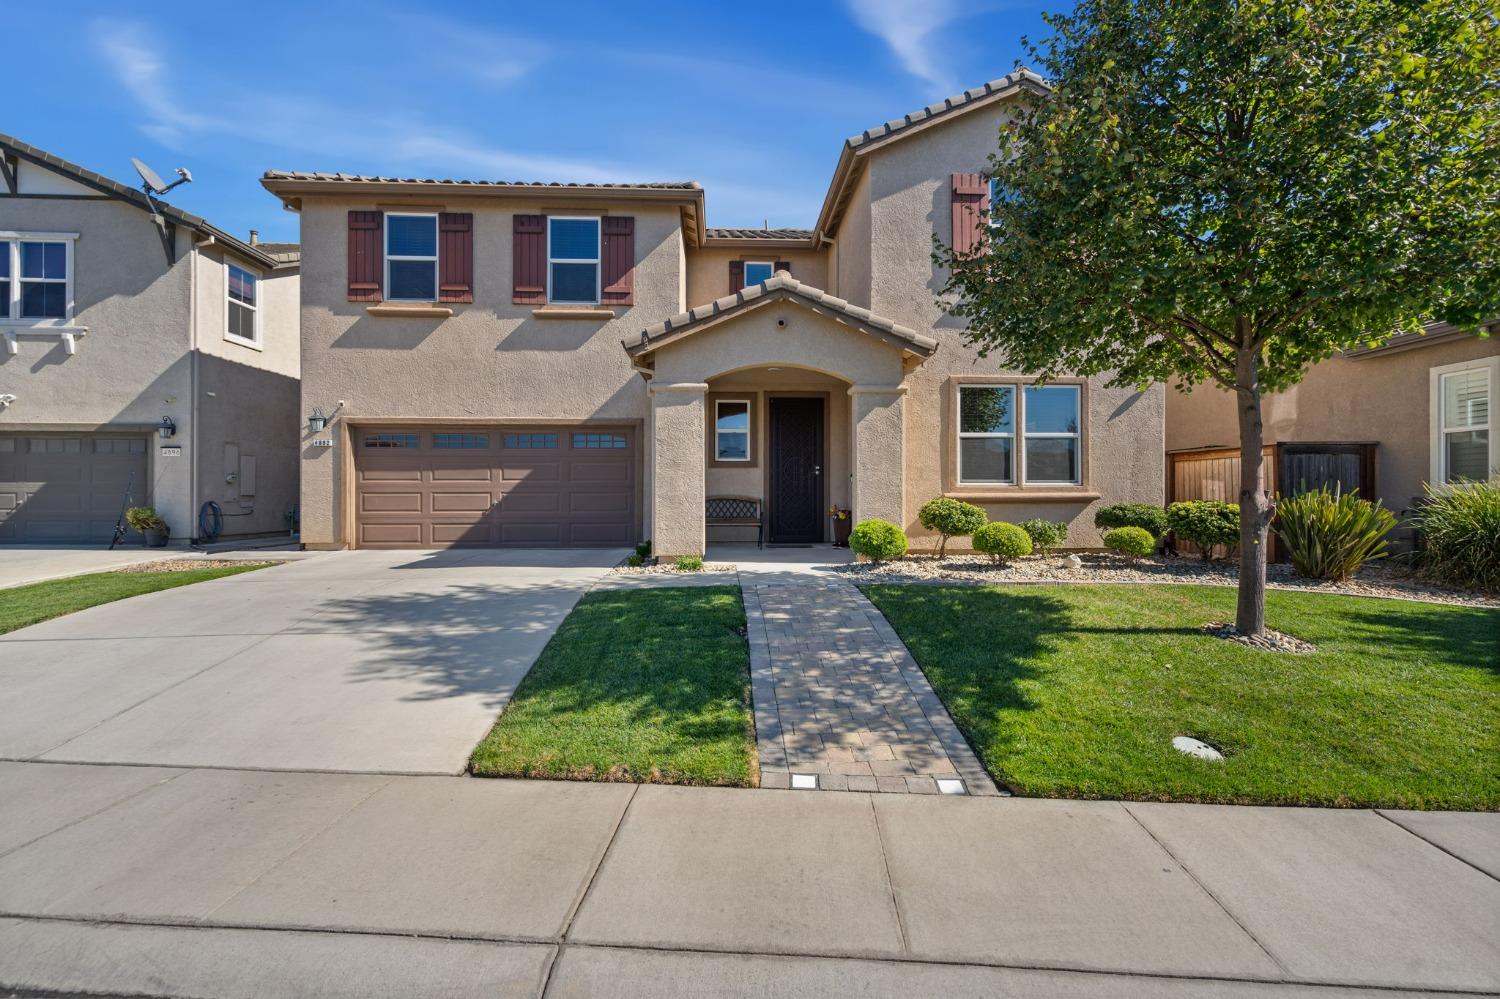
[{"x": 840, "y": 705}]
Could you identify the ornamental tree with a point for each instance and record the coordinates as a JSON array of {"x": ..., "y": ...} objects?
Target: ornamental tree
[{"x": 1229, "y": 192}]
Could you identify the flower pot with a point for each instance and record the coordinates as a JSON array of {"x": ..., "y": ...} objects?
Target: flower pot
[
  {"x": 156, "y": 537},
  {"x": 841, "y": 528}
]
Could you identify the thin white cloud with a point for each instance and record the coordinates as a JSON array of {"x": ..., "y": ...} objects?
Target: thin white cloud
[
  {"x": 127, "y": 50},
  {"x": 911, "y": 31},
  {"x": 486, "y": 57}
]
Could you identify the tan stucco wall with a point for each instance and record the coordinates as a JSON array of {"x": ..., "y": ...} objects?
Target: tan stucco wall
[
  {"x": 908, "y": 185},
  {"x": 490, "y": 360},
  {"x": 1381, "y": 397},
  {"x": 708, "y": 270},
  {"x": 852, "y": 254}
]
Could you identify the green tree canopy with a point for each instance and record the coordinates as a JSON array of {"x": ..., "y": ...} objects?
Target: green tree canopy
[{"x": 1233, "y": 190}]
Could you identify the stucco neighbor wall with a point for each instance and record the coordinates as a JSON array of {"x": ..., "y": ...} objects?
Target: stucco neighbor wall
[
  {"x": 491, "y": 360},
  {"x": 909, "y": 196},
  {"x": 1381, "y": 397}
]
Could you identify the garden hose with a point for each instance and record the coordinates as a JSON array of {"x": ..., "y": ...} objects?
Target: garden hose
[{"x": 210, "y": 522}]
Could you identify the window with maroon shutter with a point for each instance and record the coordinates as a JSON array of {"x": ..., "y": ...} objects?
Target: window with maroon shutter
[
  {"x": 366, "y": 256},
  {"x": 455, "y": 257},
  {"x": 617, "y": 280},
  {"x": 736, "y": 276},
  {"x": 529, "y": 260},
  {"x": 971, "y": 196}
]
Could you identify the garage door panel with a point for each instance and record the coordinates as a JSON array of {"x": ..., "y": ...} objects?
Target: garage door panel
[
  {"x": 68, "y": 489},
  {"x": 551, "y": 489}
]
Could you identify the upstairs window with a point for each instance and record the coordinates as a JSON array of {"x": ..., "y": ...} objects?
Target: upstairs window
[
  {"x": 573, "y": 260},
  {"x": 242, "y": 322},
  {"x": 758, "y": 271},
  {"x": 36, "y": 278},
  {"x": 411, "y": 258}
]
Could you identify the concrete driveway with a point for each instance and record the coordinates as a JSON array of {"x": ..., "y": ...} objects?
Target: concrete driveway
[
  {"x": 375, "y": 662},
  {"x": 22, "y": 564}
]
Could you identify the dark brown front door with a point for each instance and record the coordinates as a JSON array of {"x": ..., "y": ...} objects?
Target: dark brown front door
[{"x": 796, "y": 456}]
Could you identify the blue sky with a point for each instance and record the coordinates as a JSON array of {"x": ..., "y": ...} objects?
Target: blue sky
[{"x": 753, "y": 108}]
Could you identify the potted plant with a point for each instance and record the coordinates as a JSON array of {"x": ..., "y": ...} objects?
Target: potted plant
[
  {"x": 146, "y": 520},
  {"x": 841, "y": 525}
]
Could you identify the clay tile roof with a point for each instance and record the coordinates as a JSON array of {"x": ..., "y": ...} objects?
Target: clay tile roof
[
  {"x": 1022, "y": 77},
  {"x": 758, "y": 233},
  {"x": 355, "y": 178},
  {"x": 282, "y": 253},
  {"x": 782, "y": 285}
]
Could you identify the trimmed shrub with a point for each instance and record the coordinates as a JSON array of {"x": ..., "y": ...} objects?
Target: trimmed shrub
[
  {"x": 1205, "y": 523},
  {"x": 1460, "y": 526},
  {"x": 689, "y": 563},
  {"x": 1329, "y": 535},
  {"x": 1143, "y": 515},
  {"x": 634, "y": 560},
  {"x": 877, "y": 540},
  {"x": 1045, "y": 534},
  {"x": 1001, "y": 541},
  {"x": 1132, "y": 542},
  {"x": 951, "y": 518},
  {"x": 643, "y": 549}
]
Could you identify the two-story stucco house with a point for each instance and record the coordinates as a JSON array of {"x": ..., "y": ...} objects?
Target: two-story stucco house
[
  {"x": 144, "y": 351},
  {"x": 575, "y": 365}
]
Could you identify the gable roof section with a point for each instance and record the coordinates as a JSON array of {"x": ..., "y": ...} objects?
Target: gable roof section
[
  {"x": 858, "y": 146},
  {"x": 781, "y": 287},
  {"x": 105, "y": 185}
]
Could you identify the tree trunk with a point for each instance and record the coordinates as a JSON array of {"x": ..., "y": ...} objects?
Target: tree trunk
[{"x": 1255, "y": 508}]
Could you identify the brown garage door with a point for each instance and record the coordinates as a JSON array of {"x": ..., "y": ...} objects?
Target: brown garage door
[
  {"x": 63, "y": 489},
  {"x": 540, "y": 487}
]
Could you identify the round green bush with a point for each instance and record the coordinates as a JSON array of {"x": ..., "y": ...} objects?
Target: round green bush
[
  {"x": 1045, "y": 534},
  {"x": 877, "y": 540},
  {"x": 1143, "y": 515},
  {"x": 1135, "y": 542},
  {"x": 950, "y": 518},
  {"x": 1205, "y": 523},
  {"x": 1001, "y": 541}
]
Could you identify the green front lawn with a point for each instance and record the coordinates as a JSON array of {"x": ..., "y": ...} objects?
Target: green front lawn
[
  {"x": 637, "y": 685},
  {"x": 34, "y": 603},
  {"x": 1077, "y": 691}
]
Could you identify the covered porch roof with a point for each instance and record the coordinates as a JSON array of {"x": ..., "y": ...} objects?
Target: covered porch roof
[{"x": 781, "y": 287}]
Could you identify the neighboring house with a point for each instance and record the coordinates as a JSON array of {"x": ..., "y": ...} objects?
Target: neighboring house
[
  {"x": 120, "y": 314},
  {"x": 1422, "y": 406},
  {"x": 574, "y": 365}
]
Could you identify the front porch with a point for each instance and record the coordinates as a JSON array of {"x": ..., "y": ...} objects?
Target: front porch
[{"x": 784, "y": 397}]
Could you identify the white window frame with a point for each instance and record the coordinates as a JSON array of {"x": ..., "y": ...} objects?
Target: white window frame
[
  {"x": 1076, "y": 435},
  {"x": 255, "y": 344},
  {"x": 771, "y": 264},
  {"x": 1437, "y": 449},
  {"x": 749, "y": 429},
  {"x": 386, "y": 249},
  {"x": 10, "y": 311},
  {"x": 597, "y": 260},
  {"x": 963, "y": 435}
]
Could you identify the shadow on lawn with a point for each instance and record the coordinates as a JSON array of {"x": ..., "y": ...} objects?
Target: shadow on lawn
[{"x": 1462, "y": 636}]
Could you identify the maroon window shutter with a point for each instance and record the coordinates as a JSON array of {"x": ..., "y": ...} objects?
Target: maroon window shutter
[
  {"x": 529, "y": 260},
  {"x": 784, "y": 265},
  {"x": 366, "y": 256},
  {"x": 970, "y": 193},
  {"x": 455, "y": 257},
  {"x": 617, "y": 258},
  {"x": 736, "y": 276}
]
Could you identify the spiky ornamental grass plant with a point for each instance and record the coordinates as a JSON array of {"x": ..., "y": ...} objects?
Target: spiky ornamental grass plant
[
  {"x": 1460, "y": 527},
  {"x": 1231, "y": 192},
  {"x": 1329, "y": 535}
]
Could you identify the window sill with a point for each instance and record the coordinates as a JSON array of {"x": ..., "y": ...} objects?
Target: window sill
[
  {"x": 241, "y": 341},
  {"x": 573, "y": 312},
  {"x": 409, "y": 310},
  {"x": 46, "y": 326},
  {"x": 1021, "y": 494},
  {"x": 67, "y": 334}
]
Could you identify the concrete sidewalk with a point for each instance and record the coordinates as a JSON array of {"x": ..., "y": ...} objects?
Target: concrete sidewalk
[{"x": 154, "y": 881}]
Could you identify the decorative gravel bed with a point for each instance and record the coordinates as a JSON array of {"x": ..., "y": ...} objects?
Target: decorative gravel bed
[
  {"x": 192, "y": 564},
  {"x": 658, "y": 568},
  {"x": 1377, "y": 580}
]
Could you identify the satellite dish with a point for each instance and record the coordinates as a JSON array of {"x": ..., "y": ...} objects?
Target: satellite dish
[{"x": 152, "y": 183}]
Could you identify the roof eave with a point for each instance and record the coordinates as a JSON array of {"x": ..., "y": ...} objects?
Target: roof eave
[{"x": 759, "y": 243}]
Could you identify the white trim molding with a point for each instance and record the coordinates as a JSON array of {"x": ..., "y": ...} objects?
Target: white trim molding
[{"x": 1437, "y": 452}]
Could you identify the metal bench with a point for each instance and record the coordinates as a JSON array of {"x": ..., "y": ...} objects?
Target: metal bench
[{"x": 736, "y": 511}]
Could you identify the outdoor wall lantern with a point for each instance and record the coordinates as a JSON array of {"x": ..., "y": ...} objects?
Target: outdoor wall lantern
[
  {"x": 317, "y": 421},
  {"x": 167, "y": 429}
]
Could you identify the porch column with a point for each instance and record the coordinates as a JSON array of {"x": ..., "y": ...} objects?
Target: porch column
[
  {"x": 877, "y": 416},
  {"x": 679, "y": 460}
]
